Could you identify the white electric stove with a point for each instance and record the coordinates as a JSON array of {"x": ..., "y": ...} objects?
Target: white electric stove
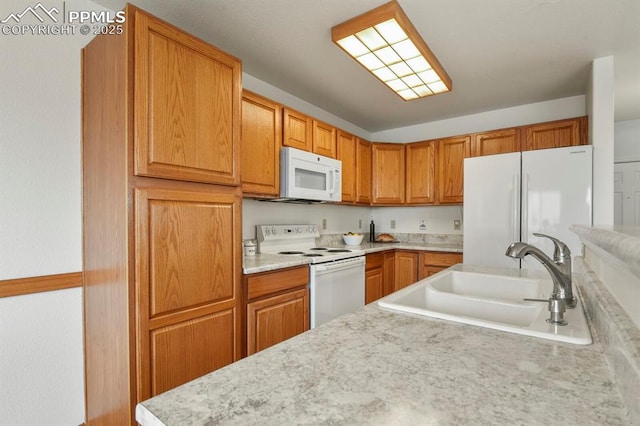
[{"x": 336, "y": 275}]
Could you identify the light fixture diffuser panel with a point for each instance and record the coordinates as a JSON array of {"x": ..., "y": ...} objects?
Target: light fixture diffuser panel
[{"x": 387, "y": 44}]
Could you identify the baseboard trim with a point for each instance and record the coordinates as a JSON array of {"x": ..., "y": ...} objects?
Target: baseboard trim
[{"x": 30, "y": 285}]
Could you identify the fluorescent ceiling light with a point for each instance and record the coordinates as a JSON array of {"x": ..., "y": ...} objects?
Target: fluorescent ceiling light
[{"x": 385, "y": 42}]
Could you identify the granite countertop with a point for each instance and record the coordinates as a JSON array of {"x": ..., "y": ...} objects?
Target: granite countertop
[
  {"x": 382, "y": 367},
  {"x": 263, "y": 262}
]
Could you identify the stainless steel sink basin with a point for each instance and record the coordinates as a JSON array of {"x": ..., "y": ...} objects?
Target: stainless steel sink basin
[{"x": 492, "y": 301}]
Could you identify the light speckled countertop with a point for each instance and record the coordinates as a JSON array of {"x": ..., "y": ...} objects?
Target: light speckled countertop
[
  {"x": 381, "y": 367},
  {"x": 263, "y": 262}
]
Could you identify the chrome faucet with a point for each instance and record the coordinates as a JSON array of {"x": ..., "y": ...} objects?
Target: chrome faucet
[{"x": 560, "y": 270}]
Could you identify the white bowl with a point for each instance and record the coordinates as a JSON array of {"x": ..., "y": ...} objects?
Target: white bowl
[{"x": 352, "y": 240}]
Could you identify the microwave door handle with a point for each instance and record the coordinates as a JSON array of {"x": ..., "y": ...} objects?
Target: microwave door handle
[{"x": 332, "y": 181}]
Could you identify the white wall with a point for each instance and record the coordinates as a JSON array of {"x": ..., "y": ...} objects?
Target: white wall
[
  {"x": 600, "y": 95},
  {"x": 556, "y": 109},
  {"x": 271, "y": 92},
  {"x": 627, "y": 140},
  {"x": 41, "y": 356},
  {"x": 438, "y": 219}
]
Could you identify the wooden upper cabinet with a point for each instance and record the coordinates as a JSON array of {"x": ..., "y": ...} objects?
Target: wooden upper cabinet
[
  {"x": 347, "y": 147},
  {"x": 297, "y": 130},
  {"x": 324, "y": 139},
  {"x": 260, "y": 146},
  {"x": 496, "y": 142},
  {"x": 555, "y": 134},
  {"x": 451, "y": 155},
  {"x": 388, "y": 168},
  {"x": 363, "y": 172},
  {"x": 186, "y": 106},
  {"x": 421, "y": 172}
]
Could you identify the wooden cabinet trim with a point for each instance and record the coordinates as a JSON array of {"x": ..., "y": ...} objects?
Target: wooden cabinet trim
[{"x": 31, "y": 285}]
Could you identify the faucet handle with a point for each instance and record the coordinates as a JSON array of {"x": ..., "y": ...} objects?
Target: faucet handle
[{"x": 560, "y": 249}]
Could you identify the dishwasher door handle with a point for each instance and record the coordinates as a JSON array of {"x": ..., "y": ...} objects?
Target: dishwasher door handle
[{"x": 339, "y": 265}]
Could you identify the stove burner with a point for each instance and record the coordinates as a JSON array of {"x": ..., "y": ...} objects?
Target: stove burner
[
  {"x": 318, "y": 248},
  {"x": 312, "y": 254},
  {"x": 339, "y": 251},
  {"x": 291, "y": 252}
]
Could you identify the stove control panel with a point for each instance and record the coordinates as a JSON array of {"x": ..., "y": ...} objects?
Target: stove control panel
[{"x": 286, "y": 232}]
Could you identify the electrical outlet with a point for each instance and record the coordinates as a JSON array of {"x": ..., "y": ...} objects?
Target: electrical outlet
[
  {"x": 393, "y": 224},
  {"x": 324, "y": 223},
  {"x": 423, "y": 225},
  {"x": 359, "y": 223},
  {"x": 456, "y": 224}
]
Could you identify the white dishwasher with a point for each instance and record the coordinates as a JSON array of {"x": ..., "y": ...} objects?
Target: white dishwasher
[{"x": 336, "y": 288}]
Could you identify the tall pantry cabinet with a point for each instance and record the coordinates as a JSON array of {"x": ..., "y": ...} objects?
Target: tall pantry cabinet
[{"x": 161, "y": 214}]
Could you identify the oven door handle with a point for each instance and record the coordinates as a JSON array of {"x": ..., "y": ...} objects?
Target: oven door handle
[{"x": 340, "y": 265}]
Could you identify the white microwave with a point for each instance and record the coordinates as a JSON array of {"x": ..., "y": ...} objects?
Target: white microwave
[{"x": 308, "y": 176}]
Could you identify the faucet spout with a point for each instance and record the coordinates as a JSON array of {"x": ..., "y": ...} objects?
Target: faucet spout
[{"x": 559, "y": 267}]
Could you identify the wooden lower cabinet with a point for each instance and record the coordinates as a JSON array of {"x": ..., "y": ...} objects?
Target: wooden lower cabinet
[
  {"x": 432, "y": 262},
  {"x": 277, "y": 306},
  {"x": 406, "y": 268}
]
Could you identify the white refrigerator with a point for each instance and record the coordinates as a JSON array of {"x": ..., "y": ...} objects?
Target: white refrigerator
[{"x": 508, "y": 197}]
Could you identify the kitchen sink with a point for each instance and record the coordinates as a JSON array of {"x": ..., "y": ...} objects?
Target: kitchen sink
[{"x": 492, "y": 301}]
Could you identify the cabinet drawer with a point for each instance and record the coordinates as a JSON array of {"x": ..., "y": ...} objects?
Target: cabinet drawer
[
  {"x": 259, "y": 285},
  {"x": 440, "y": 258},
  {"x": 374, "y": 260}
]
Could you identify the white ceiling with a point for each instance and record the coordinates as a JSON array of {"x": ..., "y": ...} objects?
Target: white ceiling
[{"x": 499, "y": 53}]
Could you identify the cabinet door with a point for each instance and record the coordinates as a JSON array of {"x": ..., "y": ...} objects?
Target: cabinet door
[
  {"x": 373, "y": 285},
  {"x": 388, "y": 173},
  {"x": 421, "y": 172},
  {"x": 555, "y": 134},
  {"x": 451, "y": 155},
  {"x": 406, "y": 268},
  {"x": 297, "y": 130},
  {"x": 389, "y": 270},
  {"x": 260, "y": 147},
  {"x": 496, "y": 142},
  {"x": 187, "y": 281},
  {"x": 186, "y": 106},
  {"x": 185, "y": 351},
  {"x": 347, "y": 154},
  {"x": 363, "y": 172},
  {"x": 324, "y": 139},
  {"x": 276, "y": 319}
]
